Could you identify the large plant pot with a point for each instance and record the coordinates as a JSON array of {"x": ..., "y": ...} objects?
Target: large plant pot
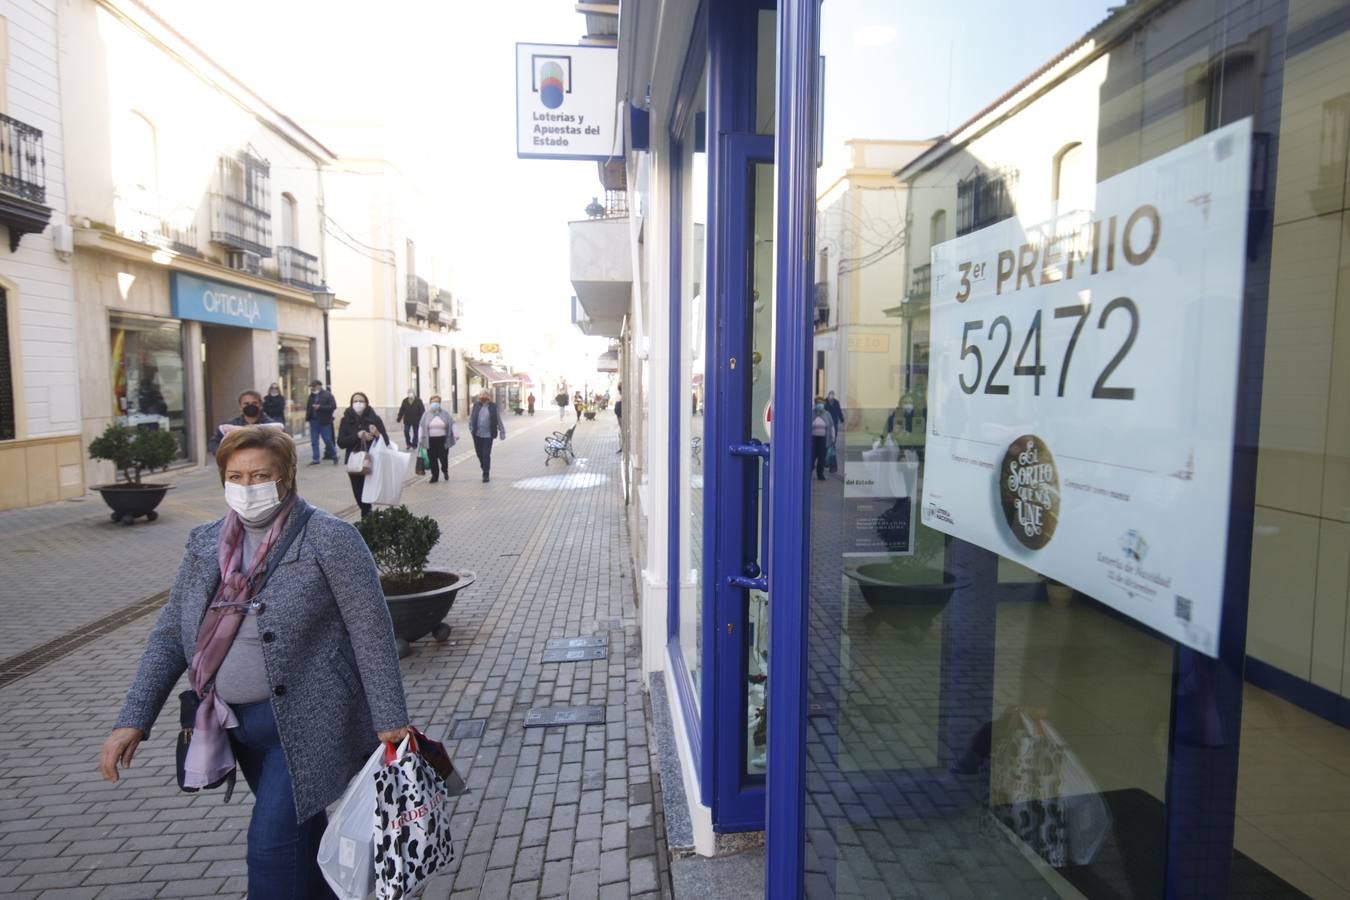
[
  {"x": 421, "y": 613},
  {"x": 908, "y": 608},
  {"x": 590, "y": 416},
  {"x": 130, "y": 502}
]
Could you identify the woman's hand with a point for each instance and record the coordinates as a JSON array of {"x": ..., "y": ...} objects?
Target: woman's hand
[
  {"x": 120, "y": 747},
  {"x": 393, "y": 736}
]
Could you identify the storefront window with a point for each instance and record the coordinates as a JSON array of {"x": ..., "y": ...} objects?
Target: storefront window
[
  {"x": 293, "y": 366},
  {"x": 689, "y": 397},
  {"x": 147, "y": 376},
  {"x": 976, "y": 727}
]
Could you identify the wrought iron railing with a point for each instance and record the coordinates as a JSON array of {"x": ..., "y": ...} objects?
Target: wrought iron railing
[
  {"x": 23, "y": 164},
  {"x": 295, "y": 266},
  {"x": 921, "y": 282},
  {"x": 237, "y": 224},
  {"x": 418, "y": 302}
]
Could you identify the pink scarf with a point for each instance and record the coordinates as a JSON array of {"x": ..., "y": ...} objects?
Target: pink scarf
[{"x": 209, "y": 756}]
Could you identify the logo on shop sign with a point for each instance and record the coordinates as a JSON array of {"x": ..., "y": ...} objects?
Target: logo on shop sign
[
  {"x": 1029, "y": 491},
  {"x": 233, "y": 305},
  {"x": 552, "y": 79}
]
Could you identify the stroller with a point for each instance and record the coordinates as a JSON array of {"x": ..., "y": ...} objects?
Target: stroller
[{"x": 559, "y": 446}]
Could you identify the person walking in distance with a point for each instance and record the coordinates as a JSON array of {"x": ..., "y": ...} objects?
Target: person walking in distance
[
  {"x": 274, "y": 404},
  {"x": 561, "y": 400},
  {"x": 292, "y": 665},
  {"x": 578, "y": 404},
  {"x": 822, "y": 437},
  {"x": 837, "y": 415},
  {"x": 618, "y": 416},
  {"x": 529, "y": 402},
  {"x": 440, "y": 429},
  {"x": 251, "y": 411},
  {"x": 319, "y": 411},
  {"x": 360, "y": 428},
  {"x": 410, "y": 413},
  {"x": 485, "y": 426}
]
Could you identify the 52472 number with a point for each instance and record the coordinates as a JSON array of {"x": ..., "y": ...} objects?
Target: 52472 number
[{"x": 1035, "y": 369}]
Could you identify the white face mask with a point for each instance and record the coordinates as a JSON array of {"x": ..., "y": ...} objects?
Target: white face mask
[
  {"x": 253, "y": 502},
  {"x": 358, "y": 406}
]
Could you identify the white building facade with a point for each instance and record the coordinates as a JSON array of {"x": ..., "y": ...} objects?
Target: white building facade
[
  {"x": 39, "y": 383},
  {"x": 197, "y": 216}
]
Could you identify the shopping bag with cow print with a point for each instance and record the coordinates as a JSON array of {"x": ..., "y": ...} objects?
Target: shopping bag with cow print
[{"x": 412, "y": 822}]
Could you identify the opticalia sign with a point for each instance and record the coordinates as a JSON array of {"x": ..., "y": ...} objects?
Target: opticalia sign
[
  {"x": 1083, "y": 393},
  {"x": 566, "y": 102},
  {"x": 221, "y": 303}
]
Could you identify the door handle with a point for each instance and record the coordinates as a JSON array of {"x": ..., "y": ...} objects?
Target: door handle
[{"x": 754, "y": 578}]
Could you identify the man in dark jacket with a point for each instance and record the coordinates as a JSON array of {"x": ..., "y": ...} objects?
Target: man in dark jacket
[
  {"x": 485, "y": 426},
  {"x": 319, "y": 414},
  {"x": 251, "y": 411},
  {"x": 274, "y": 404},
  {"x": 410, "y": 413}
]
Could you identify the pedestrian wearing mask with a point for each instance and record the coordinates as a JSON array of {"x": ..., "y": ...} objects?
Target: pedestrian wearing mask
[
  {"x": 359, "y": 429},
  {"x": 251, "y": 411},
  {"x": 441, "y": 437},
  {"x": 822, "y": 436},
  {"x": 294, "y": 666},
  {"x": 319, "y": 411},
  {"x": 410, "y": 413},
  {"x": 274, "y": 404},
  {"x": 485, "y": 426}
]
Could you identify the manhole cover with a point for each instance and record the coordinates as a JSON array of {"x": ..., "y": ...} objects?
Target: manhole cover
[
  {"x": 573, "y": 643},
  {"x": 581, "y": 654},
  {"x": 466, "y": 729},
  {"x": 541, "y": 717}
]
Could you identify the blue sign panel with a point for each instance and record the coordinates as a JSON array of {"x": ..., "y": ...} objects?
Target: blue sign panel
[{"x": 221, "y": 303}]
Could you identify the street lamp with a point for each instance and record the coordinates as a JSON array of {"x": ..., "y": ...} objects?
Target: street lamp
[{"x": 324, "y": 299}]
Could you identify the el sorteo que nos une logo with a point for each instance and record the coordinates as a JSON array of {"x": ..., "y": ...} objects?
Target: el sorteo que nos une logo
[{"x": 1028, "y": 487}]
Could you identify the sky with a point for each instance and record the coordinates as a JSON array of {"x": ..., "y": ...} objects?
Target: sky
[{"x": 430, "y": 85}]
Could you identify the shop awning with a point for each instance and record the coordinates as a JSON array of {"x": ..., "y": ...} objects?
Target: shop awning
[{"x": 491, "y": 374}]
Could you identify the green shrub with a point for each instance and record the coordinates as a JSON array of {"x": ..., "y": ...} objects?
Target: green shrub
[
  {"x": 134, "y": 450},
  {"x": 399, "y": 541}
]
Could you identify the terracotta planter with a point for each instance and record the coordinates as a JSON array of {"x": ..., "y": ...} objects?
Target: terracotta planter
[
  {"x": 421, "y": 613},
  {"x": 130, "y": 502}
]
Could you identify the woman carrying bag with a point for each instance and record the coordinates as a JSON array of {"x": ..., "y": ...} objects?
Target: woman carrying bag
[
  {"x": 278, "y": 618},
  {"x": 440, "y": 428},
  {"x": 360, "y": 426}
]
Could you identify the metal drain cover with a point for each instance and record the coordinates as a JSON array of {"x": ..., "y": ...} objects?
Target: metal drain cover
[
  {"x": 583, "y": 654},
  {"x": 541, "y": 717},
  {"x": 573, "y": 643},
  {"x": 466, "y": 729}
]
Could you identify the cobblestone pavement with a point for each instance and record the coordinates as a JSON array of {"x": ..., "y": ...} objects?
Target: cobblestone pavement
[{"x": 566, "y": 811}]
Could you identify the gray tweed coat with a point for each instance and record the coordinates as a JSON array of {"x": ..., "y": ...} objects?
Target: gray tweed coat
[{"x": 331, "y": 662}]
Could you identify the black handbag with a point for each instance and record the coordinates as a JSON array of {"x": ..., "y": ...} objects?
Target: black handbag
[{"x": 188, "y": 701}]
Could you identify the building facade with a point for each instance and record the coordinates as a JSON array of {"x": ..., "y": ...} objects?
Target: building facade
[
  {"x": 39, "y": 382},
  {"x": 198, "y": 235},
  {"x": 1149, "y": 199},
  {"x": 399, "y": 329}
]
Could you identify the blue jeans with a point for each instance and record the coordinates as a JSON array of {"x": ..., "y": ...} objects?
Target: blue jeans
[
  {"x": 317, "y": 431},
  {"x": 410, "y": 434},
  {"x": 282, "y": 855}
]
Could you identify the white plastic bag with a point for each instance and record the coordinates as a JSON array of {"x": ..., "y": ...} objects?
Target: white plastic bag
[
  {"x": 412, "y": 840},
  {"x": 347, "y": 850},
  {"x": 384, "y": 484}
]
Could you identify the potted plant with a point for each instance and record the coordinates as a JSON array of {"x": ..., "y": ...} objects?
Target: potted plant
[
  {"x": 419, "y": 597},
  {"x": 906, "y": 592},
  {"x": 133, "y": 451},
  {"x": 589, "y": 412}
]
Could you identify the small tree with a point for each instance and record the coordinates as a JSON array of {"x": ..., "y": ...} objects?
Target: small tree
[
  {"x": 134, "y": 450},
  {"x": 400, "y": 542}
]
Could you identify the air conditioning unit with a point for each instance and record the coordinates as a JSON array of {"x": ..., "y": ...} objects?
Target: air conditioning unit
[{"x": 244, "y": 261}]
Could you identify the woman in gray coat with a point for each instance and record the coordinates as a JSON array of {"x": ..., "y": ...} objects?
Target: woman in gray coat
[{"x": 297, "y": 677}]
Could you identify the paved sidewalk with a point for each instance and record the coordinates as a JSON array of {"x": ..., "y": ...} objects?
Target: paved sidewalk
[{"x": 568, "y": 811}]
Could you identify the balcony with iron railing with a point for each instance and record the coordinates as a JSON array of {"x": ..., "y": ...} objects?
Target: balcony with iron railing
[
  {"x": 417, "y": 305},
  {"x": 138, "y": 217},
  {"x": 921, "y": 282},
  {"x": 23, "y": 180},
  {"x": 295, "y": 266},
  {"x": 240, "y": 225}
]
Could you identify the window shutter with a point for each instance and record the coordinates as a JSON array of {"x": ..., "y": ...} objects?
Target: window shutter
[{"x": 7, "y": 424}]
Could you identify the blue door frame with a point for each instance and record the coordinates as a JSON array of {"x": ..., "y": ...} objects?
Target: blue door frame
[
  {"x": 724, "y": 38},
  {"x": 1206, "y": 707}
]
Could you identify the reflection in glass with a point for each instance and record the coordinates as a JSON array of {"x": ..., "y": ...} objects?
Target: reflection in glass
[
  {"x": 688, "y": 393},
  {"x": 293, "y": 359},
  {"x": 147, "y": 376}
]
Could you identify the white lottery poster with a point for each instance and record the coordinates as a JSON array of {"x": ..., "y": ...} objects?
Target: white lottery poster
[{"x": 1082, "y": 399}]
